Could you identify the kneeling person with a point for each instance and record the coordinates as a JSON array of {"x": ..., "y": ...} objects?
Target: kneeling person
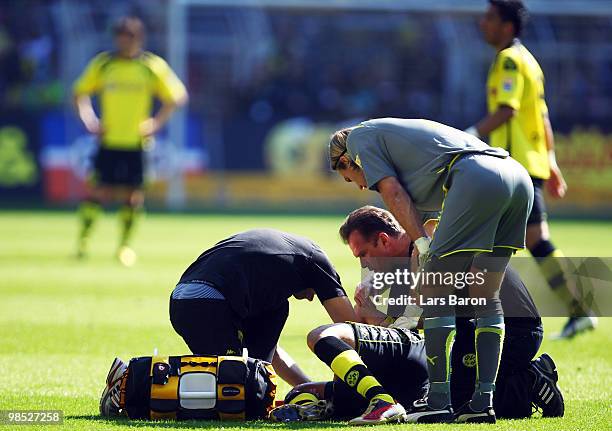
[
  {"x": 373, "y": 233},
  {"x": 235, "y": 295}
]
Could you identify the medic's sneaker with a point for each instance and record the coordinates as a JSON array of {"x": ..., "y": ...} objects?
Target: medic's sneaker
[
  {"x": 467, "y": 415},
  {"x": 545, "y": 393},
  {"x": 422, "y": 413}
]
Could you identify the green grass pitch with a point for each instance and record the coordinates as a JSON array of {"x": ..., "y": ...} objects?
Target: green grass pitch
[{"x": 63, "y": 321}]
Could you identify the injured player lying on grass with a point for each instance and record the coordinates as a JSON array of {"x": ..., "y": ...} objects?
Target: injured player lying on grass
[
  {"x": 380, "y": 365},
  {"x": 392, "y": 360}
]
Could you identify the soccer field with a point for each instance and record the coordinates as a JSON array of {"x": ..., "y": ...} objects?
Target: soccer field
[{"x": 62, "y": 321}]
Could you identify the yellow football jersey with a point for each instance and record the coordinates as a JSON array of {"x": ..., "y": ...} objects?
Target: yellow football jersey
[
  {"x": 126, "y": 88},
  {"x": 516, "y": 80}
]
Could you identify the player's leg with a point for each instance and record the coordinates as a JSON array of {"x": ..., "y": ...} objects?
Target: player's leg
[
  {"x": 329, "y": 344},
  {"x": 129, "y": 168},
  {"x": 335, "y": 345},
  {"x": 261, "y": 333},
  {"x": 465, "y": 227},
  {"x": 480, "y": 190},
  {"x": 524, "y": 381},
  {"x": 129, "y": 212},
  {"x": 489, "y": 334},
  {"x": 89, "y": 211},
  {"x": 514, "y": 198},
  {"x": 439, "y": 330},
  {"x": 550, "y": 261},
  {"x": 396, "y": 356},
  {"x": 342, "y": 331},
  {"x": 463, "y": 363},
  {"x": 97, "y": 194},
  {"x": 201, "y": 316},
  {"x": 512, "y": 398}
]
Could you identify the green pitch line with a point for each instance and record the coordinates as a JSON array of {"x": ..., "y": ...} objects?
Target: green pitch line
[{"x": 63, "y": 321}]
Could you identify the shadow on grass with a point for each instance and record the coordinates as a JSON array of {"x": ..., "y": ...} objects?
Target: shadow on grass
[{"x": 188, "y": 424}]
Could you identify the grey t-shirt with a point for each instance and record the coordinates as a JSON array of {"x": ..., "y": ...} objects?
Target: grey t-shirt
[{"x": 416, "y": 152}]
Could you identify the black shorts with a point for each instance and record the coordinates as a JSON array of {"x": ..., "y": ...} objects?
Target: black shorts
[
  {"x": 538, "y": 210},
  {"x": 118, "y": 167},
  {"x": 513, "y": 386},
  {"x": 395, "y": 357},
  {"x": 210, "y": 326}
]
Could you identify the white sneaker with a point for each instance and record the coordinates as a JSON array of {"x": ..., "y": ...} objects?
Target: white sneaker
[
  {"x": 576, "y": 325},
  {"x": 109, "y": 401},
  {"x": 379, "y": 412}
]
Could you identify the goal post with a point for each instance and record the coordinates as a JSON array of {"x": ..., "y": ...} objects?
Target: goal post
[{"x": 176, "y": 30}]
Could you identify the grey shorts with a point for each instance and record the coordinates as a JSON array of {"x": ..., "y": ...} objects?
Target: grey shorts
[{"x": 487, "y": 205}]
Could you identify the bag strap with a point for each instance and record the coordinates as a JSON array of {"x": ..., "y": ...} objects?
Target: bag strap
[
  {"x": 164, "y": 389},
  {"x": 231, "y": 380}
]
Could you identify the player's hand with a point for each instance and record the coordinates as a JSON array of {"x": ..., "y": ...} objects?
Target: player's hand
[
  {"x": 368, "y": 308},
  {"x": 363, "y": 289},
  {"x": 368, "y": 313},
  {"x": 421, "y": 249},
  {"x": 556, "y": 185},
  {"x": 149, "y": 127}
]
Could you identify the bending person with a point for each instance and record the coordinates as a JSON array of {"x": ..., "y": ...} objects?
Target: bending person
[
  {"x": 235, "y": 295},
  {"x": 419, "y": 166}
]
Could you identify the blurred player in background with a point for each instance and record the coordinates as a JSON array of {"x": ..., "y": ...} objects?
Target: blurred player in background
[
  {"x": 518, "y": 122},
  {"x": 126, "y": 81}
]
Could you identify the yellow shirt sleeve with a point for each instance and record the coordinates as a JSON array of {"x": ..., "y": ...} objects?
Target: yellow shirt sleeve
[
  {"x": 166, "y": 85},
  {"x": 90, "y": 80},
  {"x": 510, "y": 82}
]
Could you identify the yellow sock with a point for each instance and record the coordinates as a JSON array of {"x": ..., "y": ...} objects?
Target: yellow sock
[{"x": 350, "y": 368}]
